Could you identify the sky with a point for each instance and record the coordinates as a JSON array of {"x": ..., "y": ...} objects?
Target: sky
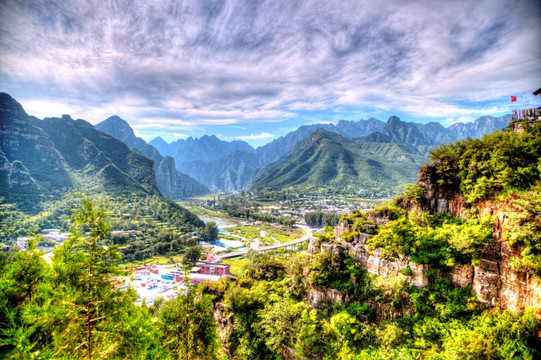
[{"x": 255, "y": 70}]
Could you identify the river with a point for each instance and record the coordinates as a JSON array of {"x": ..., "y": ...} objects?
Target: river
[{"x": 220, "y": 222}]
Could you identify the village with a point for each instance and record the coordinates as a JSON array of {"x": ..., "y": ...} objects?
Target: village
[{"x": 168, "y": 281}]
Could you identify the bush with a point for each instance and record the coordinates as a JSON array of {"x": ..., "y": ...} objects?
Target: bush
[{"x": 413, "y": 192}]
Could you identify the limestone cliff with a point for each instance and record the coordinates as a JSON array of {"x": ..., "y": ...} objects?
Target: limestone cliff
[{"x": 494, "y": 281}]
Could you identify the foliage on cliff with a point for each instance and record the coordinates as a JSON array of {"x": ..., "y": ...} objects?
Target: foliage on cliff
[
  {"x": 434, "y": 239},
  {"x": 499, "y": 163},
  {"x": 267, "y": 315},
  {"x": 524, "y": 229},
  {"x": 504, "y": 166}
]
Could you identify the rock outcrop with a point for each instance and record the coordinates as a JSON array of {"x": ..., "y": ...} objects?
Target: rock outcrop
[
  {"x": 494, "y": 281},
  {"x": 437, "y": 199}
]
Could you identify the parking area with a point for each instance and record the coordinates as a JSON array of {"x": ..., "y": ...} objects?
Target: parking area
[{"x": 150, "y": 286}]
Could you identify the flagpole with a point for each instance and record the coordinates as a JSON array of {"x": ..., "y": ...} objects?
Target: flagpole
[
  {"x": 512, "y": 116},
  {"x": 513, "y": 99}
]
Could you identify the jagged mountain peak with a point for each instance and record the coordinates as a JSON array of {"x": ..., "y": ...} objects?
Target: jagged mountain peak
[
  {"x": 394, "y": 121},
  {"x": 404, "y": 132},
  {"x": 6, "y": 98},
  {"x": 158, "y": 142},
  {"x": 7, "y": 103},
  {"x": 116, "y": 121},
  {"x": 117, "y": 127}
]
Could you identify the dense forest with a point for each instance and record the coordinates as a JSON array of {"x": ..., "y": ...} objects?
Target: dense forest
[
  {"x": 150, "y": 225},
  {"x": 70, "y": 309}
]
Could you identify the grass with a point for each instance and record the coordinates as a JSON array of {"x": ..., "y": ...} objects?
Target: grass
[
  {"x": 237, "y": 265},
  {"x": 282, "y": 233},
  {"x": 249, "y": 232}
]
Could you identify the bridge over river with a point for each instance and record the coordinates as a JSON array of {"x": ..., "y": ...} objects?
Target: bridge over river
[{"x": 307, "y": 236}]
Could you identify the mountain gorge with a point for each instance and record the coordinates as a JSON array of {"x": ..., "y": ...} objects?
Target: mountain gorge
[
  {"x": 173, "y": 184},
  {"x": 218, "y": 164}
]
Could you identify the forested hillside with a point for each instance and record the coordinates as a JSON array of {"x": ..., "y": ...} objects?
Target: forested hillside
[
  {"x": 45, "y": 163},
  {"x": 328, "y": 162},
  {"x": 46, "y": 159}
]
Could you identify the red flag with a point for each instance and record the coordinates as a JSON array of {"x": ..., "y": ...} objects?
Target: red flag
[{"x": 513, "y": 98}]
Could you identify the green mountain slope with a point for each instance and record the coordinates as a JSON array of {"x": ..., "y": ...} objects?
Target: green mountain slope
[
  {"x": 326, "y": 161},
  {"x": 43, "y": 161}
]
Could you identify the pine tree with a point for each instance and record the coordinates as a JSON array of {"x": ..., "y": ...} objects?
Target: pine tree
[
  {"x": 88, "y": 314},
  {"x": 24, "y": 284},
  {"x": 188, "y": 326}
]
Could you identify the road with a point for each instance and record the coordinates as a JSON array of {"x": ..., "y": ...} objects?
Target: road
[{"x": 307, "y": 236}]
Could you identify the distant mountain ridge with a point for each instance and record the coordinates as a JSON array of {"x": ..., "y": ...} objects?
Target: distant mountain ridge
[
  {"x": 205, "y": 148},
  {"x": 173, "y": 184},
  {"x": 350, "y": 129},
  {"x": 227, "y": 166}
]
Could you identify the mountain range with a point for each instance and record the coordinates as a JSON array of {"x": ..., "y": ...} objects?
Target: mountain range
[
  {"x": 172, "y": 184},
  {"x": 233, "y": 166},
  {"x": 42, "y": 159}
]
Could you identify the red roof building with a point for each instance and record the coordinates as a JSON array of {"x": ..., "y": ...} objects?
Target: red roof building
[{"x": 214, "y": 269}]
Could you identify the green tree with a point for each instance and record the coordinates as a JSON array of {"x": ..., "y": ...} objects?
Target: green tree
[
  {"x": 188, "y": 327},
  {"x": 88, "y": 316},
  {"x": 278, "y": 323},
  {"x": 210, "y": 232},
  {"x": 192, "y": 255},
  {"x": 23, "y": 284}
]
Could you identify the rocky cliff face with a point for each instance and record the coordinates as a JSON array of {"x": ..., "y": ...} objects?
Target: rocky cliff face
[
  {"x": 371, "y": 260},
  {"x": 437, "y": 199},
  {"x": 493, "y": 279}
]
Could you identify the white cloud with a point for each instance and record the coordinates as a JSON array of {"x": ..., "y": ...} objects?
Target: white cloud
[
  {"x": 205, "y": 63},
  {"x": 263, "y": 135}
]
